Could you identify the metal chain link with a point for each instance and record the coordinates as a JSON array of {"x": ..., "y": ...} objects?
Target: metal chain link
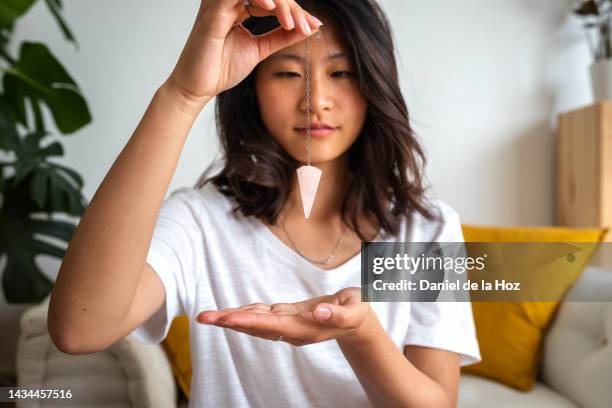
[{"x": 318, "y": 36}]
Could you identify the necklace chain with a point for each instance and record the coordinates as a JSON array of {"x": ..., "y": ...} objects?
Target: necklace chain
[{"x": 325, "y": 261}]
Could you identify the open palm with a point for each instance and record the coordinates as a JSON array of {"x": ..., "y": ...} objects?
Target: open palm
[{"x": 336, "y": 316}]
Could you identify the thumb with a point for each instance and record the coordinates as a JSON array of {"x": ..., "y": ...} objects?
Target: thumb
[
  {"x": 279, "y": 39},
  {"x": 337, "y": 316}
]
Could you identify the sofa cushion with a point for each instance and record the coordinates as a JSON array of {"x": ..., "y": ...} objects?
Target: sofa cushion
[
  {"x": 510, "y": 334},
  {"x": 177, "y": 348},
  {"x": 478, "y": 392},
  {"x": 126, "y": 374},
  {"x": 578, "y": 347}
]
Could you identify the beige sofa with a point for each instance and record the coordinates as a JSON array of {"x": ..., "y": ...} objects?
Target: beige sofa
[{"x": 576, "y": 368}]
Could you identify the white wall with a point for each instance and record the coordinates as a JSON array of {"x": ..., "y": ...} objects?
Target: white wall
[{"x": 483, "y": 80}]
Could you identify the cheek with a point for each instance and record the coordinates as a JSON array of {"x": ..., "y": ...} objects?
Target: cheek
[
  {"x": 274, "y": 106},
  {"x": 357, "y": 108}
]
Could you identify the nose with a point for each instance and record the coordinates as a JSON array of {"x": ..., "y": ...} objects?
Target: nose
[{"x": 320, "y": 96}]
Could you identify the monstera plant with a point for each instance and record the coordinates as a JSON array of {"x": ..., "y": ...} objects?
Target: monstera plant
[{"x": 34, "y": 188}]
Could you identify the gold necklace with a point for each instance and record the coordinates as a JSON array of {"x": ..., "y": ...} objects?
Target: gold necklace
[{"x": 325, "y": 261}]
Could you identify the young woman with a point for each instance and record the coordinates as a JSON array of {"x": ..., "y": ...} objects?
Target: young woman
[{"x": 273, "y": 298}]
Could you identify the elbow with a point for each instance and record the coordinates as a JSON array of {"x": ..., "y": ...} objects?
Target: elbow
[
  {"x": 65, "y": 343},
  {"x": 65, "y": 340},
  {"x": 76, "y": 337},
  {"x": 72, "y": 344},
  {"x": 60, "y": 336},
  {"x": 445, "y": 400},
  {"x": 65, "y": 337},
  {"x": 439, "y": 399}
]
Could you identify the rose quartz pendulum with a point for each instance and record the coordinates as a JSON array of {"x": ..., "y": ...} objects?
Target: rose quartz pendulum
[{"x": 308, "y": 176}]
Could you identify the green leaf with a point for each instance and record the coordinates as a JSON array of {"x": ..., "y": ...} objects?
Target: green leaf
[
  {"x": 1, "y": 183},
  {"x": 5, "y": 35},
  {"x": 10, "y": 10},
  {"x": 64, "y": 194},
  {"x": 23, "y": 170},
  {"x": 39, "y": 122},
  {"x": 55, "y": 7},
  {"x": 9, "y": 138},
  {"x": 21, "y": 241},
  {"x": 28, "y": 148},
  {"x": 76, "y": 177},
  {"x": 37, "y": 74},
  {"x": 54, "y": 149},
  {"x": 51, "y": 188},
  {"x": 31, "y": 144},
  {"x": 38, "y": 188},
  {"x": 15, "y": 97}
]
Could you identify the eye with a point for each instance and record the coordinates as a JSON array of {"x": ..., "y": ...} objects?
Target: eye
[
  {"x": 286, "y": 74},
  {"x": 343, "y": 74}
]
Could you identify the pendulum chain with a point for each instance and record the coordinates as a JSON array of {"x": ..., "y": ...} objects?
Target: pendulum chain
[
  {"x": 318, "y": 36},
  {"x": 308, "y": 175}
]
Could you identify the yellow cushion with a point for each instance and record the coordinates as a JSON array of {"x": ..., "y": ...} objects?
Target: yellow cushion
[
  {"x": 176, "y": 346},
  {"x": 510, "y": 334}
]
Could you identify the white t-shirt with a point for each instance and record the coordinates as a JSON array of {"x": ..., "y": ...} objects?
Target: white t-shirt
[{"x": 210, "y": 258}]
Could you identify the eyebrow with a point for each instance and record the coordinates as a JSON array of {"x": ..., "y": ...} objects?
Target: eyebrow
[{"x": 296, "y": 57}]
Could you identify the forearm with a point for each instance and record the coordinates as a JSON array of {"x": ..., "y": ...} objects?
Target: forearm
[
  {"x": 387, "y": 376},
  {"x": 101, "y": 269}
]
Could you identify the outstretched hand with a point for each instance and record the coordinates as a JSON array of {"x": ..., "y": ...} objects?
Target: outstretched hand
[{"x": 339, "y": 316}]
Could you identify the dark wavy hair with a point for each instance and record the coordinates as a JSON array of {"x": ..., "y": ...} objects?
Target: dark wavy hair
[{"x": 386, "y": 160}]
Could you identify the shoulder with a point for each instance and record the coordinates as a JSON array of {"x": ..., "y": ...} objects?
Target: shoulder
[
  {"x": 205, "y": 199},
  {"x": 197, "y": 208},
  {"x": 445, "y": 227}
]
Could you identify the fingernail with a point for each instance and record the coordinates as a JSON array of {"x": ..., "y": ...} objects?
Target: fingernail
[
  {"x": 270, "y": 4},
  {"x": 323, "y": 313},
  {"x": 306, "y": 27},
  {"x": 318, "y": 21}
]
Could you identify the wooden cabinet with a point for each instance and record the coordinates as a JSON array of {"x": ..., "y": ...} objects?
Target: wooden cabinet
[{"x": 584, "y": 168}]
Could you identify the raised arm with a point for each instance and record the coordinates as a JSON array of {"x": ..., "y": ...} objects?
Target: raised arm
[{"x": 104, "y": 289}]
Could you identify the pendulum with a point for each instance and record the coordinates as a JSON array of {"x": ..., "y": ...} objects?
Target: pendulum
[{"x": 308, "y": 176}]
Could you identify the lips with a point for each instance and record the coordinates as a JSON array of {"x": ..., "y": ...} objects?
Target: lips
[
  {"x": 319, "y": 132},
  {"x": 318, "y": 125}
]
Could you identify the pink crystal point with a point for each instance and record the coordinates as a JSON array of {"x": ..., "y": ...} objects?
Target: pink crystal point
[{"x": 308, "y": 178}]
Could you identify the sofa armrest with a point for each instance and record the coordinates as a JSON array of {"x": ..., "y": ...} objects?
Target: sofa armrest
[
  {"x": 577, "y": 356},
  {"x": 129, "y": 373}
]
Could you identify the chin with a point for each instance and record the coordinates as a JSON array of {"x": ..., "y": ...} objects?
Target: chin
[{"x": 320, "y": 159}]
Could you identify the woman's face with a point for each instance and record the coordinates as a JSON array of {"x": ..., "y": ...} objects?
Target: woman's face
[{"x": 335, "y": 99}]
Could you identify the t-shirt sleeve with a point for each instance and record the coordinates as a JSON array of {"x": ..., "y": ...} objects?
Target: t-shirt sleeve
[
  {"x": 176, "y": 246},
  {"x": 445, "y": 325}
]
